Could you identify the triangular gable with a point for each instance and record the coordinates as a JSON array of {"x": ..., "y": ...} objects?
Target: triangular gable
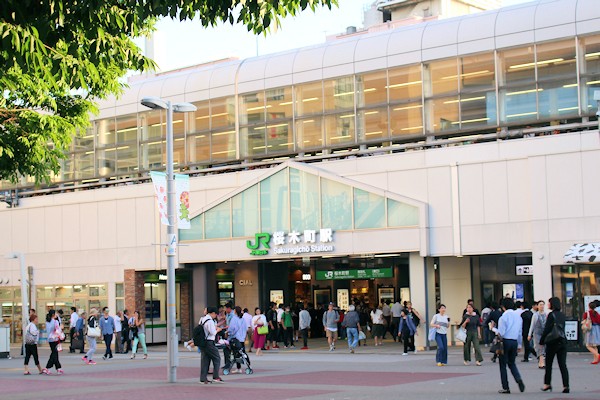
[{"x": 318, "y": 196}]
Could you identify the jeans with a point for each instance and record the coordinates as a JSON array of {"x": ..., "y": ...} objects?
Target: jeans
[
  {"x": 108, "y": 341},
  {"x": 352, "y": 337},
  {"x": 472, "y": 339},
  {"x": 441, "y": 356},
  {"x": 304, "y": 333},
  {"x": 92, "y": 350},
  {"x": 141, "y": 338},
  {"x": 560, "y": 350},
  {"x": 209, "y": 353},
  {"x": 508, "y": 358}
]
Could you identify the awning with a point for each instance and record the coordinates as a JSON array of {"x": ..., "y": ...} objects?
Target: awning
[{"x": 581, "y": 253}]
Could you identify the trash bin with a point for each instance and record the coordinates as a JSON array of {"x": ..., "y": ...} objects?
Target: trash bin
[{"x": 4, "y": 341}]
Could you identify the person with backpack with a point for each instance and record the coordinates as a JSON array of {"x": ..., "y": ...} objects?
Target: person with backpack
[
  {"x": 416, "y": 320},
  {"x": 207, "y": 343}
]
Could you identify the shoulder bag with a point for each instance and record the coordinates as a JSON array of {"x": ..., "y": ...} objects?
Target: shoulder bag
[
  {"x": 432, "y": 332},
  {"x": 93, "y": 331},
  {"x": 556, "y": 334},
  {"x": 497, "y": 346},
  {"x": 586, "y": 324},
  {"x": 262, "y": 330}
]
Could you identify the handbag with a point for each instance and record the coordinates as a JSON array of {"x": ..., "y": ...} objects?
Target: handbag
[
  {"x": 362, "y": 336},
  {"x": 556, "y": 334},
  {"x": 93, "y": 332},
  {"x": 262, "y": 330},
  {"x": 432, "y": 332},
  {"x": 497, "y": 346},
  {"x": 59, "y": 347},
  {"x": 461, "y": 335},
  {"x": 29, "y": 337},
  {"x": 586, "y": 324}
]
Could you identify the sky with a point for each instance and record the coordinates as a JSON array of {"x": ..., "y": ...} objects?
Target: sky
[{"x": 182, "y": 44}]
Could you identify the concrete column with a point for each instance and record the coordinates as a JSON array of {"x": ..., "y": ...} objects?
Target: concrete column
[
  {"x": 418, "y": 293},
  {"x": 542, "y": 275},
  {"x": 199, "y": 292},
  {"x": 455, "y": 285}
]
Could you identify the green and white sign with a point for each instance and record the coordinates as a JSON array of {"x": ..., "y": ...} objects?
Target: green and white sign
[
  {"x": 293, "y": 242},
  {"x": 355, "y": 274}
]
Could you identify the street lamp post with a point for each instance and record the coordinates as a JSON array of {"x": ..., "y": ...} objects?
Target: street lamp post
[
  {"x": 24, "y": 297},
  {"x": 172, "y": 339}
]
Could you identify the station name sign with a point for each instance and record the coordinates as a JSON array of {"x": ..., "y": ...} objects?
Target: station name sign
[
  {"x": 309, "y": 241},
  {"x": 355, "y": 274}
]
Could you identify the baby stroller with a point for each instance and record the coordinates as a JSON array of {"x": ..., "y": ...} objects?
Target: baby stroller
[{"x": 237, "y": 355}]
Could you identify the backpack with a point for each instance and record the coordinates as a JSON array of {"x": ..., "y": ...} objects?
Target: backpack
[{"x": 199, "y": 336}]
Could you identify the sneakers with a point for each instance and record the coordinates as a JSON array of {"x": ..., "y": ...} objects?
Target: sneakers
[
  {"x": 91, "y": 362},
  {"x": 331, "y": 347},
  {"x": 440, "y": 364},
  {"x": 218, "y": 380},
  {"x": 304, "y": 348},
  {"x": 276, "y": 347},
  {"x": 404, "y": 354},
  {"x": 351, "y": 351},
  {"x": 84, "y": 359},
  {"x": 205, "y": 382},
  {"x": 46, "y": 372},
  {"x": 104, "y": 357},
  {"x": 133, "y": 356},
  {"x": 60, "y": 372}
]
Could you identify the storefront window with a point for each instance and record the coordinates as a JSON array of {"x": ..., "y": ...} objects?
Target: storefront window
[
  {"x": 97, "y": 290},
  {"x": 218, "y": 221},
  {"x": 245, "y": 223},
  {"x": 304, "y": 200},
  {"x": 274, "y": 204},
  {"x": 369, "y": 210},
  {"x": 401, "y": 214},
  {"x": 336, "y": 205}
]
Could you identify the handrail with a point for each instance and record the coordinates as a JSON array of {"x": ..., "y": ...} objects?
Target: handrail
[{"x": 428, "y": 142}]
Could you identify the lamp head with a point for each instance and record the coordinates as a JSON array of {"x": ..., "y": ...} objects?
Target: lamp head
[{"x": 154, "y": 103}]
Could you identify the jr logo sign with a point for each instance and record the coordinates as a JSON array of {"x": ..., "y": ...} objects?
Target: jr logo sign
[{"x": 260, "y": 239}]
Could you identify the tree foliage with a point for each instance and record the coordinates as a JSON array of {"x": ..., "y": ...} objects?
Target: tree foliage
[{"x": 58, "y": 56}]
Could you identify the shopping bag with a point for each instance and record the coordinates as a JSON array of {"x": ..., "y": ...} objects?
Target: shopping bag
[{"x": 461, "y": 335}]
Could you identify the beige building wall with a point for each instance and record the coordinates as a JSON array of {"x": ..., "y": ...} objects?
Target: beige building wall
[{"x": 455, "y": 284}]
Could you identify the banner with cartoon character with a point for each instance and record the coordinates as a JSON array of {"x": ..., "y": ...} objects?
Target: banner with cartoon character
[
  {"x": 159, "y": 180},
  {"x": 182, "y": 193}
]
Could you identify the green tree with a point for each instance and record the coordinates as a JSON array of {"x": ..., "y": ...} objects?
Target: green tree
[{"x": 58, "y": 56}]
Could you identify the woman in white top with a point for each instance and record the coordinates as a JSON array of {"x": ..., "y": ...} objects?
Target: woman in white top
[
  {"x": 32, "y": 335},
  {"x": 440, "y": 322},
  {"x": 378, "y": 328},
  {"x": 258, "y": 320}
]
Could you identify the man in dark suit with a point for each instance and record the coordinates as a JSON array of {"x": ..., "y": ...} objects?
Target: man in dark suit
[
  {"x": 494, "y": 317},
  {"x": 526, "y": 315}
]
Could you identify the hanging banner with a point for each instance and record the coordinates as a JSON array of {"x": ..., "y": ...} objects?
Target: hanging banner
[
  {"x": 159, "y": 180},
  {"x": 182, "y": 191}
]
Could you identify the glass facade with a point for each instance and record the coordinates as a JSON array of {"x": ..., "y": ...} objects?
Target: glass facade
[
  {"x": 293, "y": 199},
  {"x": 538, "y": 83}
]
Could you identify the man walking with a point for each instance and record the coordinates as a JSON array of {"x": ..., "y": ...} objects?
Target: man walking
[
  {"x": 107, "y": 328},
  {"x": 118, "y": 329},
  {"x": 304, "y": 325},
  {"x": 126, "y": 340},
  {"x": 210, "y": 352},
  {"x": 72, "y": 325},
  {"x": 330, "y": 320},
  {"x": 396, "y": 313},
  {"x": 526, "y": 316},
  {"x": 352, "y": 324},
  {"x": 510, "y": 327}
]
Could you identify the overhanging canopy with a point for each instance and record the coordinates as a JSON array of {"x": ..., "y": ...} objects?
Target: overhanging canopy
[{"x": 581, "y": 253}]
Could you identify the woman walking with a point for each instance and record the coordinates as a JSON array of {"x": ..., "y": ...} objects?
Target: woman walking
[
  {"x": 592, "y": 337},
  {"x": 538, "y": 321},
  {"x": 556, "y": 345},
  {"x": 92, "y": 334},
  {"x": 259, "y": 339},
  {"x": 53, "y": 333},
  {"x": 406, "y": 329},
  {"x": 378, "y": 327},
  {"x": 32, "y": 335},
  {"x": 440, "y": 322},
  {"x": 472, "y": 323},
  {"x": 140, "y": 324}
]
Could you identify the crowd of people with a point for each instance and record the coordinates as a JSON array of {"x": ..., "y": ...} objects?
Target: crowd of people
[
  {"x": 511, "y": 327},
  {"x": 84, "y": 328}
]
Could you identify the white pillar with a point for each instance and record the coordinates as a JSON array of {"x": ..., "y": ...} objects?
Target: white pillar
[
  {"x": 542, "y": 272},
  {"x": 418, "y": 293}
]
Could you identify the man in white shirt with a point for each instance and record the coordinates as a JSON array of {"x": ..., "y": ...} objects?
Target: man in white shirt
[
  {"x": 118, "y": 329},
  {"x": 387, "y": 316},
  {"x": 210, "y": 352},
  {"x": 279, "y": 330},
  {"x": 72, "y": 323},
  {"x": 248, "y": 322},
  {"x": 510, "y": 327},
  {"x": 396, "y": 314}
]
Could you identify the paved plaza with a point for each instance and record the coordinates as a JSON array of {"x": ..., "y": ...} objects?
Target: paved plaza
[{"x": 371, "y": 373}]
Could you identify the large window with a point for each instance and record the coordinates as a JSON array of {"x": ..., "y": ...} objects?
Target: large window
[{"x": 309, "y": 98}]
